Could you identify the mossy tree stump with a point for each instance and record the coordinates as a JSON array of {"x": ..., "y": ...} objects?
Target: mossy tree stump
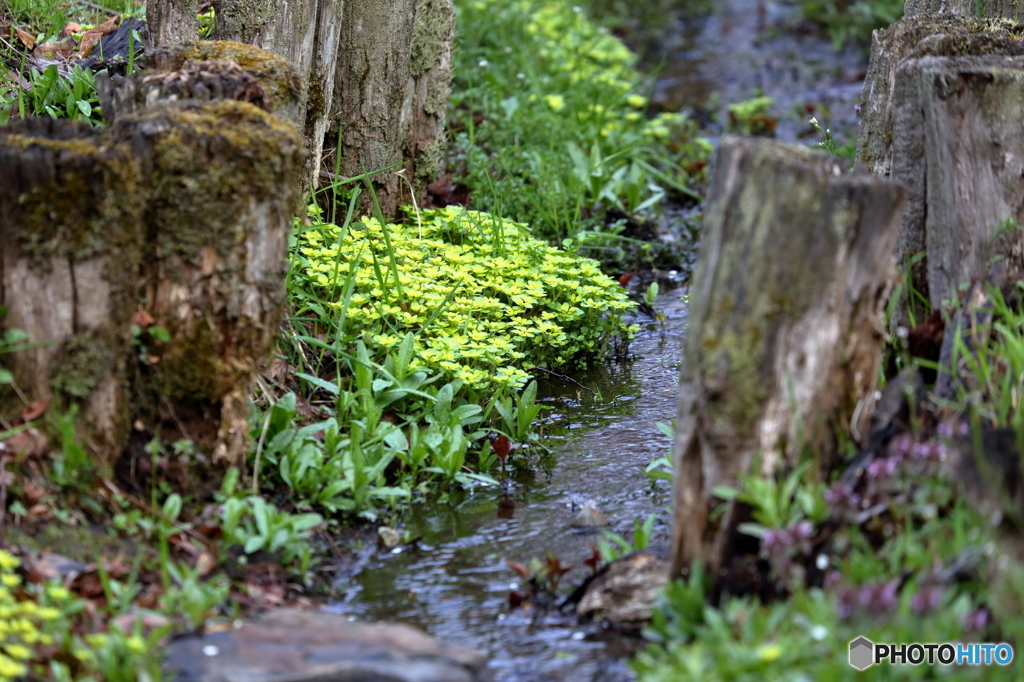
[
  {"x": 177, "y": 217},
  {"x": 785, "y": 329},
  {"x": 941, "y": 116}
]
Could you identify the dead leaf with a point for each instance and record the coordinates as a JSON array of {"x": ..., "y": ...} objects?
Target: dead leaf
[
  {"x": 126, "y": 621},
  {"x": 142, "y": 318},
  {"x": 58, "y": 50},
  {"x": 33, "y": 492},
  {"x": 50, "y": 566},
  {"x": 35, "y": 409},
  {"x": 30, "y": 443},
  {"x": 26, "y": 38},
  {"x": 38, "y": 510},
  {"x": 92, "y": 36},
  {"x": 205, "y": 563},
  {"x": 71, "y": 27}
]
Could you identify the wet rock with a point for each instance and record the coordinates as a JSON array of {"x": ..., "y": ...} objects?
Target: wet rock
[
  {"x": 308, "y": 646},
  {"x": 625, "y": 591}
]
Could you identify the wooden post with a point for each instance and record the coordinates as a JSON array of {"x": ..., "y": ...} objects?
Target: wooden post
[{"x": 785, "y": 327}]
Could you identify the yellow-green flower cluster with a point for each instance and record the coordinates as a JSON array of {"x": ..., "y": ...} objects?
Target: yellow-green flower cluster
[
  {"x": 486, "y": 300},
  {"x": 22, "y": 622}
]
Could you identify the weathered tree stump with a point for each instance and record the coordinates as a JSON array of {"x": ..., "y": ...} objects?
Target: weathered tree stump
[
  {"x": 916, "y": 131},
  {"x": 785, "y": 328},
  {"x": 377, "y": 76},
  {"x": 71, "y": 240},
  {"x": 177, "y": 217}
]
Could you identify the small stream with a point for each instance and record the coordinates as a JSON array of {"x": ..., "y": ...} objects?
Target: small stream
[{"x": 455, "y": 583}]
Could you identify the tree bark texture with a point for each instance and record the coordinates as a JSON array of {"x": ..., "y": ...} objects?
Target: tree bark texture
[
  {"x": 305, "y": 32},
  {"x": 989, "y": 9},
  {"x": 895, "y": 141},
  {"x": 785, "y": 327},
  {"x": 172, "y": 21},
  {"x": 974, "y": 151},
  {"x": 178, "y": 216},
  {"x": 378, "y": 78}
]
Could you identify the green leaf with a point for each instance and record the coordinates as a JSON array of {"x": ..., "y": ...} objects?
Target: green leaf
[{"x": 172, "y": 506}]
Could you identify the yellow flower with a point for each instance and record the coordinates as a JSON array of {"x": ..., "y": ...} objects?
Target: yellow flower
[
  {"x": 9, "y": 669},
  {"x": 136, "y": 644},
  {"x": 556, "y": 102},
  {"x": 770, "y": 652},
  {"x": 18, "y": 651},
  {"x": 8, "y": 561},
  {"x": 57, "y": 592},
  {"x": 636, "y": 101}
]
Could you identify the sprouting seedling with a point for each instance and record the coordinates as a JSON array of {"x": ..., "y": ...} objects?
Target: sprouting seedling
[{"x": 651, "y": 294}]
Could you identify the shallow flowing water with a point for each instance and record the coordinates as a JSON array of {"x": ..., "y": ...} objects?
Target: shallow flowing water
[{"x": 455, "y": 583}]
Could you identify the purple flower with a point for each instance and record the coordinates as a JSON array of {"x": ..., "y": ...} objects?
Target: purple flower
[
  {"x": 881, "y": 469},
  {"x": 840, "y": 497},
  {"x": 774, "y": 538},
  {"x": 976, "y": 620},
  {"x": 900, "y": 447},
  {"x": 802, "y": 530},
  {"x": 856, "y": 108},
  {"x": 930, "y": 451},
  {"x": 926, "y": 599}
]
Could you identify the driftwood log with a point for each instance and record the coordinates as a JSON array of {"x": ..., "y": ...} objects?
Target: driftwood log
[
  {"x": 785, "y": 328},
  {"x": 176, "y": 218},
  {"x": 940, "y": 117}
]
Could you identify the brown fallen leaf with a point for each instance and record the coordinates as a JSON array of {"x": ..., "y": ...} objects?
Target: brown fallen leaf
[
  {"x": 93, "y": 35},
  {"x": 69, "y": 28},
  {"x": 142, "y": 318},
  {"x": 26, "y": 38},
  {"x": 35, "y": 409},
  {"x": 30, "y": 444},
  {"x": 58, "y": 50}
]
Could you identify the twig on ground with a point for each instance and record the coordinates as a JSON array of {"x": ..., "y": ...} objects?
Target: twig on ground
[
  {"x": 565, "y": 378},
  {"x": 93, "y": 5}
]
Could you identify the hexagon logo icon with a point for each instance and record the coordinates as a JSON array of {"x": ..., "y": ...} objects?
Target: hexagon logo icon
[{"x": 862, "y": 653}]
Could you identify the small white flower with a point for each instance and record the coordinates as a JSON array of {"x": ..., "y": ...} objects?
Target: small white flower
[
  {"x": 483, "y": 63},
  {"x": 814, "y": 121}
]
